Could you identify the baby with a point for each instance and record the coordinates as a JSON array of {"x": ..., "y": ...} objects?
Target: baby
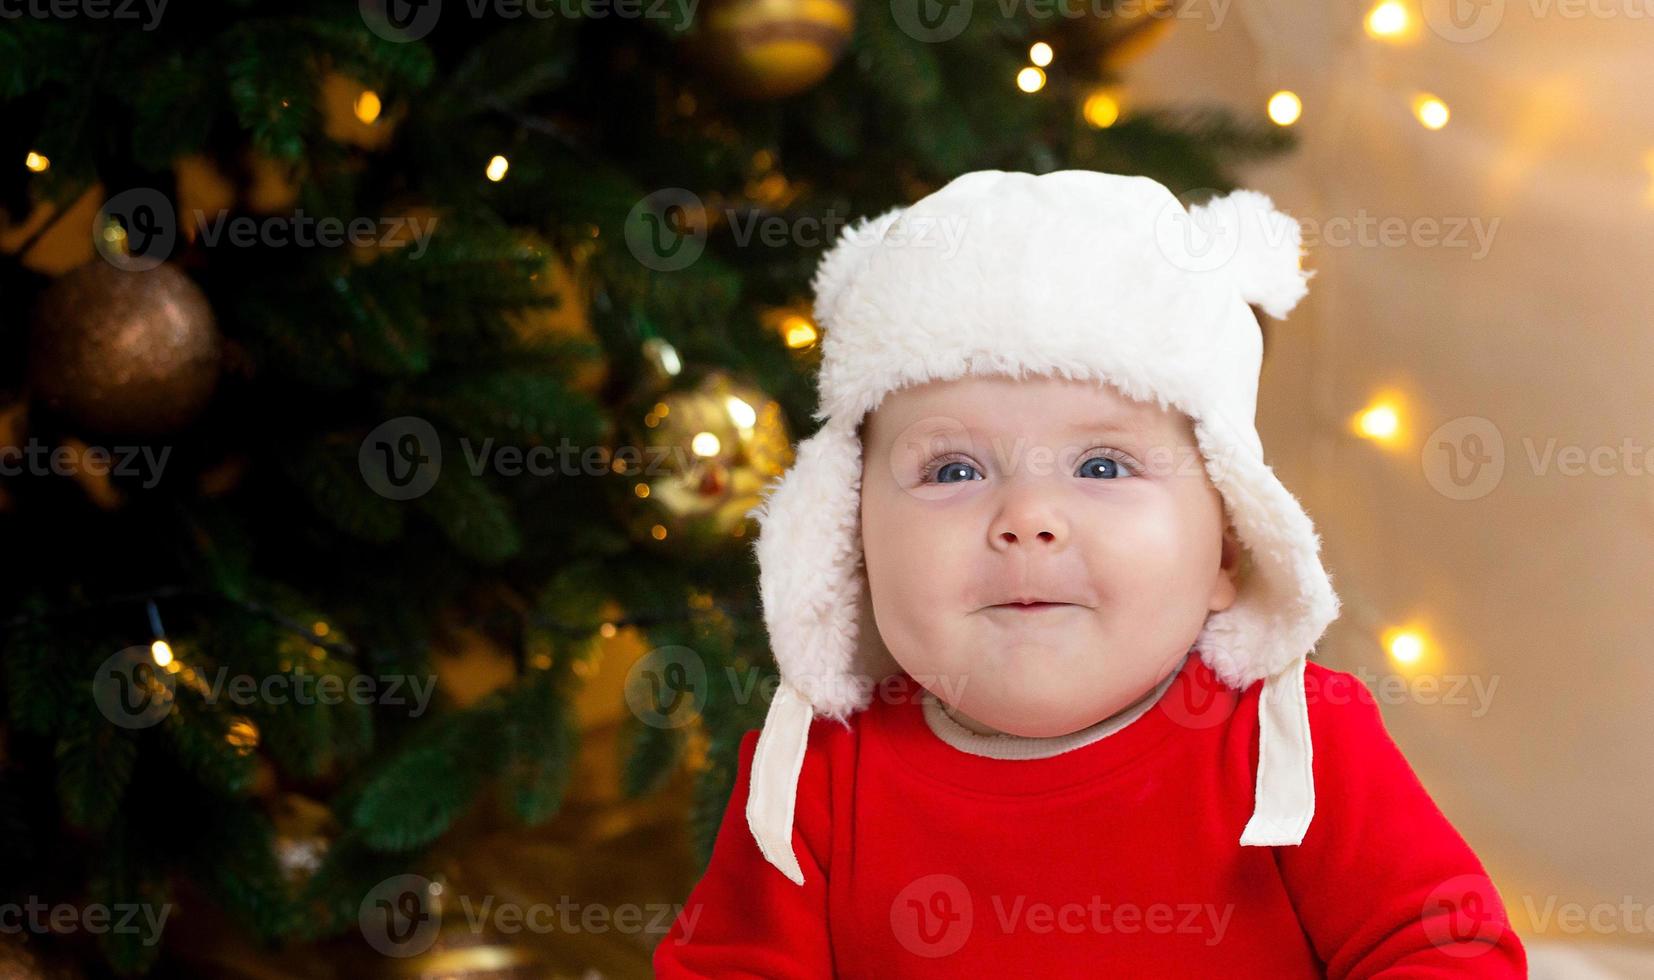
[{"x": 1042, "y": 616}]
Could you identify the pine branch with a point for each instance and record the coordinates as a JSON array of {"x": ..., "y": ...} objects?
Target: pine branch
[
  {"x": 539, "y": 740},
  {"x": 414, "y": 797},
  {"x": 95, "y": 761}
]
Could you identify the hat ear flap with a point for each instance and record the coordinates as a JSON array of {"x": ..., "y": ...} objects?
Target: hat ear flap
[
  {"x": 1268, "y": 249},
  {"x": 1287, "y": 600},
  {"x": 809, "y": 570}
]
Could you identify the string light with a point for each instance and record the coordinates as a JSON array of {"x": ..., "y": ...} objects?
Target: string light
[
  {"x": 1380, "y": 422},
  {"x": 497, "y": 166},
  {"x": 160, "y": 650},
  {"x": 1387, "y": 20},
  {"x": 664, "y": 355},
  {"x": 1431, "y": 111},
  {"x": 798, "y": 331},
  {"x": 368, "y": 106},
  {"x": 792, "y": 322},
  {"x": 1285, "y": 107},
  {"x": 1405, "y": 645},
  {"x": 36, "y": 162},
  {"x": 1101, "y": 109},
  {"x": 1030, "y": 79},
  {"x": 1040, "y": 54}
]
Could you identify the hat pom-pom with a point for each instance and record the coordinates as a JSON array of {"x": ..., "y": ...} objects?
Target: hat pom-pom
[{"x": 1267, "y": 265}]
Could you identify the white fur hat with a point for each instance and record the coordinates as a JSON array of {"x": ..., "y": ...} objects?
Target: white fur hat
[{"x": 1073, "y": 274}]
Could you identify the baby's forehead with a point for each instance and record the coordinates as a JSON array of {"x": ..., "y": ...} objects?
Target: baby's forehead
[{"x": 1005, "y": 405}]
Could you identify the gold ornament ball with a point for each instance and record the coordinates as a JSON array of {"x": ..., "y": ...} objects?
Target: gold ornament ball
[
  {"x": 134, "y": 353},
  {"x": 698, "y": 459},
  {"x": 768, "y": 49}
]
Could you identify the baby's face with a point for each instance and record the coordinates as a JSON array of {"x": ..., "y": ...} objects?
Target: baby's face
[{"x": 986, "y": 490}]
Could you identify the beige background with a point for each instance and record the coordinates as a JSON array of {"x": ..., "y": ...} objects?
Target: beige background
[{"x": 1538, "y": 589}]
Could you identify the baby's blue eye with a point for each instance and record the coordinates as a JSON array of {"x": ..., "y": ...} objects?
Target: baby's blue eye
[
  {"x": 954, "y": 467},
  {"x": 1112, "y": 469},
  {"x": 1097, "y": 467}
]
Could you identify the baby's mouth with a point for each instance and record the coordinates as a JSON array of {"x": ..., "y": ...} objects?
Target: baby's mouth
[{"x": 1031, "y": 607}]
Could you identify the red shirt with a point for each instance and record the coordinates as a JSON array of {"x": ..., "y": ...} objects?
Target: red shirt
[{"x": 1117, "y": 858}]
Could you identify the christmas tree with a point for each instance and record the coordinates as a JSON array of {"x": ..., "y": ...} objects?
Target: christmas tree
[{"x": 338, "y": 336}]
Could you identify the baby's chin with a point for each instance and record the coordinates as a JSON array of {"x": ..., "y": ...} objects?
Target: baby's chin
[{"x": 1037, "y": 691}]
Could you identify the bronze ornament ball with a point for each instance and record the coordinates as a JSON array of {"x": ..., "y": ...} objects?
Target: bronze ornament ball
[{"x": 125, "y": 352}]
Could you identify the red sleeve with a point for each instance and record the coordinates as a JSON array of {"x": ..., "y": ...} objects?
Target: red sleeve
[
  {"x": 1383, "y": 883},
  {"x": 745, "y": 918}
]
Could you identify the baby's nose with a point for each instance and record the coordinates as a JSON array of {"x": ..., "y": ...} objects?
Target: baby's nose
[
  {"x": 1029, "y": 519},
  {"x": 1011, "y": 537}
]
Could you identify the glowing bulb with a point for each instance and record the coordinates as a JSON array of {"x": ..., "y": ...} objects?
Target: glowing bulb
[
  {"x": 1101, "y": 110},
  {"x": 1387, "y": 19},
  {"x": 1030, "y": 79},
  {"x": 669, "y": 360},
  {"x": 368, "y": 106},
  {"x": 37, "y": 162},
  {"x": 1380, "y": 423},
  {"x": 162, "y": 653},
  {"x": 1405, "y": 646},
  {"x": 1285, "y": 108},
  {"x": 1432, "y": 112},
  {"x": 497, "y": 168},
  {"x": 704, "y": 444},
  {"x": 798, "y": 331},
  {"x": 1040, "y": 54}
]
